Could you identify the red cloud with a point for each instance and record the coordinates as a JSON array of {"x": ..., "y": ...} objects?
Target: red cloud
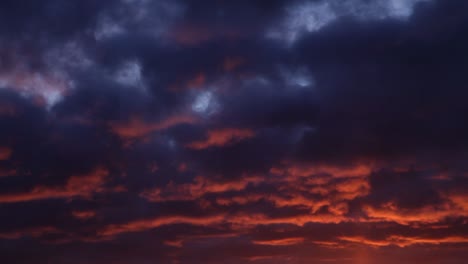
[
  {"x": 239, "y": 222},
  {"x": 333, "y": 193},
  {"x": 247, "y": 221},
  {"x": 459, "y": 200},
  {"x": 179, "y": 242},
  {"x": 192, "y": 34},
  {"x": 45, "y": 88},
  {"x": 82, "y": 186},
  {"x": 232, "y": 63},
  {"x": 84, "y": 215},
  {"x": 137, "y": 128},
  {"x": 30, "y": 232},
  {"x": 197, "y": 82},
  {"x": 6, "y": 173},
  {"x": 219, "y": 138},
  {"x": 146, "y": 224},
  {"x": 5, "y": 153},
  {"x": 197, "y": 189},
  {"x": 389, "y": 212},
  {"x": 294, "y": 188},
  {"x": 280, "y": 242},
  {"x": 402, "y": 241},
  {"x": 306, "y": 170}
]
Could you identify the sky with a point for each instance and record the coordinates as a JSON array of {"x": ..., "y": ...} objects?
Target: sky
[{"x": 246, "y": 131}]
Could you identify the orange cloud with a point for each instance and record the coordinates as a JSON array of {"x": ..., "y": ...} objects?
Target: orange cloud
[
  {"x": 280, "y": 242},
  {"x": 200, "y": 187},
  {"x": 186, "y": 239},
  {"x": 219, "y": 138},
  {"x": 297, "y": 199},
  {"x": 291, "y": 192},
  {"x": 297, "y": 194},
  {"x": 147, "y": 224},
  {"x": 362, "y": 240},
  {"x": 335, "y": 186},
  {"x": 460, "y": 200},
  {"x": 5, "y": 153},
  {"x": 239, "y": 199},
  {"x": 325, "y": 191},
  {"x": 83, "y": 186},
  {"x": 304, "y": 170},
  {"x": 138, "y": 128},
  {"x": 426, "y": 215},
  {"x": 351, "y": 189},
  {"x": 328, "y": 244},
  {"x": 245, "y": 221},
  {"x": 238, "y": 223},
  {"x": 402, "y": 241}
]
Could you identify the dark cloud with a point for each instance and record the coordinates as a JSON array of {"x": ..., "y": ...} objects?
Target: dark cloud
[
  {"x": 233, "y": 131},
  {"x": 382, "y": 96},
  {"x": 30, "y": 19}
]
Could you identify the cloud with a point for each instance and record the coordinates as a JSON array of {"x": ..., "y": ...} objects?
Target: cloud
[
  {"x": 233, "y": 131},
  {"x": 280, "y": 242},
  {"x": 238, "y": 222},
  {"x": 138, "y": 128},
  {"x": 5, "y": 153},
  {"x": 142, "y": 225},
  {"x": 200, "y": 187},
  {"x": 137, "y": 17},
  {"x": 82, "y": 186},
  {"x": 84, "y": 215},
  {"x": 31, "y": 232},
  {"x": 130, "y": 74},
  {"x": 232, "y": 63},
  {"x": 406, "y": 241},
  {"x": 424, "y": 215},
  {"x": 48, "y": 88},
  {"x": 219, "y": 138},
  {"x": 311, "y": 16},
  {"x": 8, "y": 173}
]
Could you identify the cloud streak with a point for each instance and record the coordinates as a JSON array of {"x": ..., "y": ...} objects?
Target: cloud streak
[{"x": 82, "y": 186}]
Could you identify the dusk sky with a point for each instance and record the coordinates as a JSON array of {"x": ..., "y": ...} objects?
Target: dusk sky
[{"x": 243, "y": 131}]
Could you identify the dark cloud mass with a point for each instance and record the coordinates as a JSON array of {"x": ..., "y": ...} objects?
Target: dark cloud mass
[{"x": 308, "y": 131}]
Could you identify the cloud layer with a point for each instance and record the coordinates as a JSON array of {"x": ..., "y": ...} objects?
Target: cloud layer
[{"x": 306, "y": 131}]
